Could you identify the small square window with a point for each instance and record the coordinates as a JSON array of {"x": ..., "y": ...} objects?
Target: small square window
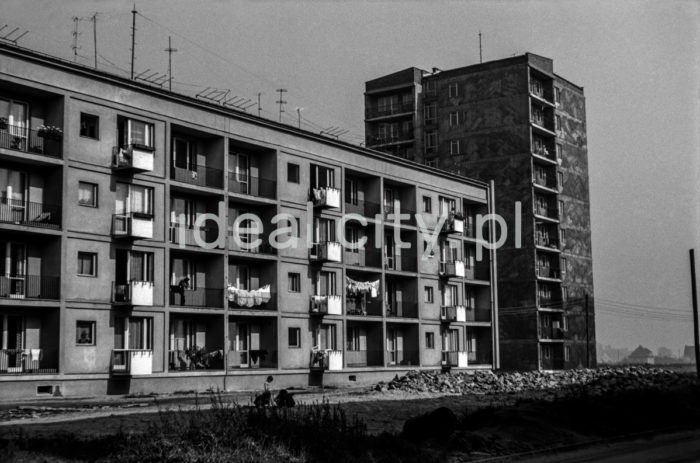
[
  {"x": 454, "y": 147},
  {"x": 87, "y": 194},
  {"x": 294, "y": 337},
  {"x": 428, "y": 294},
  {"x": 85, "y": 333},
  {"x": 294, "y": 282},
  {"x": 89, "y": 126},
  {"x": 427, "y": 204},
  {"x": 430, "y": 340},
  {"x": 292, "y": 172},
  {"x": 87, "y": 264}
]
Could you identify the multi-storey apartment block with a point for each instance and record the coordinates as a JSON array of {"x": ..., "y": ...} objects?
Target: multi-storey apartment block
[
  {"x": 516, "y": 122},
  {"x": 137, "y": 230}
]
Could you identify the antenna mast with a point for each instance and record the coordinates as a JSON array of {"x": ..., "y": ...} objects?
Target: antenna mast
[
  {"x": 481, "y": 57},
  {"x": 133, "y": 39},
  {"x": 76, "y": 20},
  {"x": 94, "y": 35},
  {"x": 281, "y": 102},
  {"x": 170, "y": 51},
  {"x": 259, "y": 107}
]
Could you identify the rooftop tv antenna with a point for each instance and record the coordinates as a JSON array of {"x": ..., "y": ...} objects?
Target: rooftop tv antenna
[
  {"x": 281, "y": 102},
  {"x": 94, "y": 35},
  {"x": 259, "y": 107},
  {"x": 133, "y": 39},
  {"x": 170, "y": 51},
  {"x": 154, "y": 78},
  {"x": 75, "y": 47},
  {"x": 8, "y": 37},
  {"x": 481, "y": 57}
]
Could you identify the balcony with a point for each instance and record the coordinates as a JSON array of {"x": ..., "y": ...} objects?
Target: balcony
[
  {"x": 329, "y": 251},
  {"x": 388, "y": 110},
  {"x": 545, "y": 182},
  {"x": 29, "y": 214},
  {"x": 478, "y": 315},
  {"x": 396, "y": 209},
  {"x": 29, "y": 287},
  {"x": 455, "y": 359},
  {"x": 133, "y": 158},
  {"x": 47, "y": 143},
  {"x": 199, "y": 176},
  {"x": 326, "y": 359},
  {"x": 453, "y": 225},
  {"x": 23, "y": 361},
  {"x": 545, "y": 241},
  {"x": 195, "y": 359},
  {"x": 453, "y": 313},
  {"x": 255, "y": 299},
  {"x": 402, "y": 357},
  {"x": 132, "y": 362},
  {"x": 264, "y": 247},
  {"x": 479, "y": 357},
  {"x": 547, "y": 212},
  {"x": 551, "y": 333},
  {"x": 402, "y": 309},
  {"x": 325, "y": 197},
  {"x": 364, "y": 257},
  {"x": 245, "y": 184},
  {"x": 199, "y": 297},
  {"x": 133, "y": 293},
  {"x": 364, "y": 208},
  {"x": 132, "y": 225},
  {"x": 363, "y": 358},
  {"x": 450, "y": 269},
  {"x": 188, "y": 236},
  {"x": 360, "y": 306},
  {"x": 326, "y": 305},
  {"x": 547, "y": 273},
  {"x": 379, "y": 140}
]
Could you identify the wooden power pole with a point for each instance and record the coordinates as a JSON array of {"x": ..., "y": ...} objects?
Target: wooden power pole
[{"x": 696, "y": 329}]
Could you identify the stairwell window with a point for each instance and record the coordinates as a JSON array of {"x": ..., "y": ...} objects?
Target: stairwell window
[
  {"x": 428, "y": 295},
  {"x": 294, "y": 282},
  {"x": 294, "y": 337},
  {"x": 430, "y": 340}
]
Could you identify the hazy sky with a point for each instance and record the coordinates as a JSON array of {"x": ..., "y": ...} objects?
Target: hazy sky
[{"x": 638, "y": 62}]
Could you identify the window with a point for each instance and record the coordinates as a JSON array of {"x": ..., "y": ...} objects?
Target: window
[
  {"x": 294, "y": 337},
  {"x": 427, "y": 204},
  {"x": 430, "y": 87},
  {"x": 325, "y": 284},
  {"x": 87, "y": 264},
  {"x": 537, "y": 116},
  {"x": 183, "y": 270},
  {"x": 134, "y": 199},
  {"x": 89, "y": 126},
  {"x": 292, "y": 172},
  {"x": 546, "y": 351},
  {"x": 559, "y": 149},
  {"x": 562, "y": 236},
  {"x": 137, "y": 133},
  {"x": 560, "y": 178},
  {"x": 454, "y": 147},
  {"x": 453, "y": 90},
  {"x": 322, "y": 177},
  {"x": 564, "y": 265},
  {"x": 567, "y": 353},
  {"x": 430, "y": 113},
  {"x": 357, "y": 338},
  {"x": 561, "y": 210},
  {"x": 133, "y": 333},
  {"x": 557, "y": 95},
  {"x": 536, "y": 87},
  {"x": 428, "y": 294},
  {"x": 557, "y": 123},
  {"x": 87, "y": 194},
  {"x": 294, "y": 282},
  {"x": 454, "y": 119},
  {"x": 324, "y": 230},
  {"x": 352, "y": 236},
  {"x": 431, "y": 162},
  {"x": 565, "y": 293},
  {"x": 430, "y": 340},
  {"x": 85, "y": 333},
  {"x": 431, "y": 140},
  {"x": 351, "y": 196}
]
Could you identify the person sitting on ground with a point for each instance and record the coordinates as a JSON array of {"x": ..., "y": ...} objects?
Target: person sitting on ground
[{"x": 284, "y": 399}]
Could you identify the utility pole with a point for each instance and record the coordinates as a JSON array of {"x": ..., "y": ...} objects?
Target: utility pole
[
  {"x": 133, "y": 39},
  {"x": 281, "y": 102},
  {"x": 481, "y": 57},
  {"x": 588, "y": 341},
  {"x": 94, "y": 35},
  {"x": 694, "y": 292},
  {"x": 170, "y": 51}
]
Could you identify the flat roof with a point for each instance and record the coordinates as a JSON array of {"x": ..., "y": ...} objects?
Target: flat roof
[{"x": 69, "y": 66}]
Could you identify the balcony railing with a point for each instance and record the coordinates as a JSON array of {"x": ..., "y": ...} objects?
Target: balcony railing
[
  {"x": 199, "y": 176},
  {"x": 376, "y": 140},
  {"x": 249, "y": 300},
  {"x": 453, "y": 313},
  {"x": 245, "y": 184},
  {"x": 193, "y": 359},
  {"x": 547, "y": 211},
  {"x": 402, "y": 357},
  {"x": 479, "y": 357},
  {"x": 253, "y": 358},
  {"x": 363, "y": 306},
  {"x": 327, "y": 304},
  {"x": 544, "y": 152},
  {"x": 264, "y": 247},
  {"x": 134, "y": 158},
  {"x": 133, "y": 225},
  {"x": 27, "y": 213},
  {"x": 364, "y": 257},
  {"x": 186, "y": 235},
  {"x": 199, "y": 297},
  {"x": 132, "y": 361},
  {"x": 405, "y": 262},
  {"x": 24, "y": 361},
  {"x": 325, "y": 197},
  {"x": 363, "y": 358},
  {"x": 478, "y": 315},
  {"x": 30, "y": 141},
  {"x": 388, "y": 110},
  {"x": 364, "y": 208},
  {"x": 452, "y": 268},
  {"x": 546, "y": 181},
  {"x": 402, "y": 309},
  {"x": 454, "y": 224},
  {"x": 389, "y": 209},
  {"x": 550, "y": 332},
  {"x": 328, "y": 251},
  {"x": 29, "y": 287},
  {"x": 546, "y": 241},
  {"x": 133, "y": 293},
  {"x": 326, "y": 359},
  {"x": 458, "y": 359},
  {"x": 547, "y": 272}
]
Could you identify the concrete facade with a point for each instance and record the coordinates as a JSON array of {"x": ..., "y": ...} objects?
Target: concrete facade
[
  {"x": 513, "y": 121},
  {"x": 97, "y": 234}
]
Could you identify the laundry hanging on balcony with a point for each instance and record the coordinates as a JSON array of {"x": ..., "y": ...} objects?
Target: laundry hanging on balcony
[
  {"x": 355, "y": 288},
  {"x": 319, "y": 195},
  {"x": 249, "y": 298}
]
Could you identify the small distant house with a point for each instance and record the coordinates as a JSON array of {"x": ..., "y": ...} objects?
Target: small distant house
[{"x": 641, "y": 356}]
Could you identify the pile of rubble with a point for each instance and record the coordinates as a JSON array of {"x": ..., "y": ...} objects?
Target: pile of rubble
[{"x": 488, "y": 382}]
